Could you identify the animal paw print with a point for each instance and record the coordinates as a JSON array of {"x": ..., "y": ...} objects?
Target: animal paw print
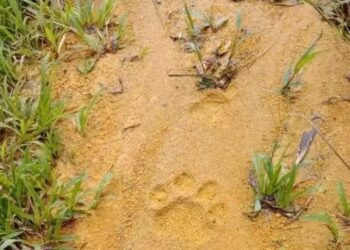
[{"x": 187, "y": 210}]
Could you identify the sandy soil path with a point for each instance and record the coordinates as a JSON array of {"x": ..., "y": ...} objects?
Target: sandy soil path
[{"x": 181, "y": 157}]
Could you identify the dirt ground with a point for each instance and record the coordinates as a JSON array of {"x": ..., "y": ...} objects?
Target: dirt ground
[{"x": 181, "y": 157}]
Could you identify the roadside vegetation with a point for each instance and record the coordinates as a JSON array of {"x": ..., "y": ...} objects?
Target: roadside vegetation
[
  {"x": 35, "y": 204},
  {"x": 338, "y": 221}
]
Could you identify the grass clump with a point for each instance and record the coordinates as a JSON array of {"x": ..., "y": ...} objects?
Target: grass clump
[
  {"x": 35, "y": 204},
  {"x": 335, "y": 12},
  {"x": 274, "y": 184},
  {"x": 28, "y": 27},
  {"x": 292, "y": 76},
  {"x": 90, "y": 22},
  {"x": 26, "y": 119},
  {"x": 218, "y": 69}
]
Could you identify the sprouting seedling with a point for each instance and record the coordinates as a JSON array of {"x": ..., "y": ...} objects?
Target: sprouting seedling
[
  {"x": 100, "y": 188},
  {"x": 344, "y": 202},
  {"x": 189, "y": 22},
  {"x": 81, "y": 118},
  {"x": 194, "y": 47},
  {"x": 293, "y": 73},
  {"x": 120, "y": 31},
  {"x": 329, "y": 221},
  {"x": 235, "y": 39},
  {"x": 86, "y": 66},
  {"x": 191, "y": 30}
]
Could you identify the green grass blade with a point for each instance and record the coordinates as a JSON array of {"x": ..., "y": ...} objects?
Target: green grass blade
[{"x": 345, "y": 206}]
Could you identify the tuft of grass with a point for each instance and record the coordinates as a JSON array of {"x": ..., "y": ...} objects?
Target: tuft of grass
[
  {"x": 55, "y": 36},
  {"x": 16, "y": 30},
  {"x": 329, "y": 221},
  {"x": 274, "y": 184},
  {"x": 236, "y": 39},
  {"x": 81, "y": 118},
  {"x": 344, "y": 202},
  {"x": 8, "y": 69},
  {"x": 292, "y": 76},
  {"x": 335, "y": 12},
  {"x": 29, "y": 118},
  {"x": 36, "y": 202},
  {"x": 89, "y": 15},
  {"x": 89, "y": 21},
  {"x": 218, "y": 69},
  {"x": 103, "y": 14}
]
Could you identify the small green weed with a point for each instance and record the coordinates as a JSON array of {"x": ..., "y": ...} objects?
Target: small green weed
[
  {"x": 81, "y": 118},
  {"x": 330, "y": 222},
  {"x": 119, "y": 33},
  {"x": 292, "y": 76},
  {"x": 273, "y": 184},
  {"x": 344, "y": 202}
]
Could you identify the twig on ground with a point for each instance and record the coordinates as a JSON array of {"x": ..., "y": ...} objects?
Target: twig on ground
[
  {"x": 185, "y": 75},
  {"x": 131, "y": 127},
  {"x": 300, "y": 211}
]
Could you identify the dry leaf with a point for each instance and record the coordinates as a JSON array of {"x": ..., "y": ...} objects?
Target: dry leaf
[{"x": 304, "y": 145}]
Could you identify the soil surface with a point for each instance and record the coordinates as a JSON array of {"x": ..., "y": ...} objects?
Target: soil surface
[{"x": 181, "y": 157}]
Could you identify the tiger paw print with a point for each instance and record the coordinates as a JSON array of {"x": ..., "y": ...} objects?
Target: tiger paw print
[{"x": 185, "y": 209}]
